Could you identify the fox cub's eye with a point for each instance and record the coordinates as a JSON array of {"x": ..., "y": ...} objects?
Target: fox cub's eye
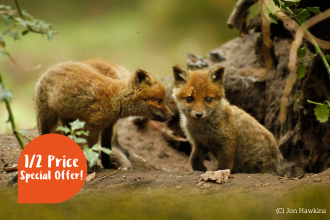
[
  {"x": 208, "y": 99},
  {"x": 160, "y": 101},
  {"x": 189, "y": 99}
]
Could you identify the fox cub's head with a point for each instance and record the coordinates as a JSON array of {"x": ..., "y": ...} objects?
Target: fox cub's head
[
  {"x": 198, "y": 93},
  {"x": 150, "y": 96}
]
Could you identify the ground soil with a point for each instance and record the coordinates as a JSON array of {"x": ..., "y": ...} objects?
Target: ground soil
[{"x": 158, "y": 167}]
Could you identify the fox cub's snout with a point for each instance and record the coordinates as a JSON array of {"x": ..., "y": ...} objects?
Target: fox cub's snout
[
  {"x": 198, "y": 93},
  {"x": 152, "y": 96}
]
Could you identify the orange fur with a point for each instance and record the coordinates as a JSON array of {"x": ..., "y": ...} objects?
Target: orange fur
[
  {"x": 234, "y": 138},
  {"x": 74, "y": 90}
]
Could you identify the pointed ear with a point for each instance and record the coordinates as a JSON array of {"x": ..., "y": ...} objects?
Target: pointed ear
[
  {"x": 216, "y": 74},
  {"x": 141, "y": 76},
  {"x": 181, "y": 75}
]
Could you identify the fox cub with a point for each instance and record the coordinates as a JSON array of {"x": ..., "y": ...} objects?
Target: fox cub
[
  {"x": 234, "y": 138},
  {"x": 115, "y": 72},
  {"x": 74, "y": 90}
]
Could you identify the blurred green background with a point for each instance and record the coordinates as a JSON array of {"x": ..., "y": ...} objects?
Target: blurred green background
[{"x": 146, "y": 34}]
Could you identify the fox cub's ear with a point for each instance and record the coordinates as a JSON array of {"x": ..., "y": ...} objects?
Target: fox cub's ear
[
  {"x": 142, "y": 76},
  {"x": 181, "y": 75},
  {"x": 216, "y": 74}
]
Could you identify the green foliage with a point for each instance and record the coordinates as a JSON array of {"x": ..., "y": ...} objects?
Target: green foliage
[
  {"x": 92, "y": 156},
  {"x": 272, "y": 8},
  {"x": 301, "y": 52},
  {"x": 24, "y": 132},
  {"x": 302, "y": 14},
  {"x": 289, "y": 4},
  {"x": 269, "y": 9},
  {"x": 77, "y": 127},
  {"x": 322, "y": 113},
  {"x": 321, "y": 110},
  {"x": 5, "y": 95},
  {"x": 75, "y": 131},
  {"x": 273, "y": 18},
  {"x": 327, "y": 57},
  {"x": 65, "y": 129},
  {"x": 23, "y": 20},
  {"x": 315, "y": 10},
  {"x": 301, "y": 70}
]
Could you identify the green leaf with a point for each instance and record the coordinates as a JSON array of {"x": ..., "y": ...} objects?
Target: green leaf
[
  {"x": 301, "y": 70},
  {"x": 322, "y": 113},
  {"x": 65, "y": 129},
  {"x": 277, "y": 2},
  {"x": 86, "y": 133},
  {"x": 273, "y": 18},
  {"x": 5, "y": 95},
  {"x": 270, "y": 8},
  {"x": 13, "y": 34},
  {"x": 26, "y": 14},
  {"x": 327, "y": 103},
  {"x": 5, "y": 19},
  {"x": 91, "y": 156},
  {"x": 327, "y": 57},
  {"x": 77, "y": 125},
  {"x": 97, "y": 147},
  {"x": 25, "y": 132},
  {"x": 25, "y": 32},
  {"x": 3, "y": 54},
  {"x": 315, "y": 10},
  {"x": 50, "y": 35},
  {"x": 21, "y": 22},
  {"x": 5, "y": 7},
  {"x": 78, "y": 140},
  {"x": 288, "y": 4},
  {"x": 301, "y": 52},
  {"x": 303, "y": 14}
]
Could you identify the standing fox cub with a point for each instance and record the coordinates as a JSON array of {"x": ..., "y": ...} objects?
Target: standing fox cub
[
  {"x": 234, "y": 138},
  {"x": 75, "y": 90}
]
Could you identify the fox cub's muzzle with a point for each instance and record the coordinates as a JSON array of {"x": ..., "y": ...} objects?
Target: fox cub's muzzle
[{"x": 162, "y": 115}]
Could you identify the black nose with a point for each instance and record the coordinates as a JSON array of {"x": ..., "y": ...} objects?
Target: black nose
[{"x": 199, "y": 115}]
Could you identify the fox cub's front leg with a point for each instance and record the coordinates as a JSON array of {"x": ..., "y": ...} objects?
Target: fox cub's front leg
[
  {"x": 226, "y": 155},
  {"x": 106, "y": 138},
  {"x": 197, "y": 157}
]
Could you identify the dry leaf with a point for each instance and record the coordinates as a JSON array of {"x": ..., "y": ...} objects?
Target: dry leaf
[
  {"x": 219, "y": 176},
  {"x": 90, "y": 177},
  {"x": 14, "y": 167},
  {"x": 200, "y": 183}
]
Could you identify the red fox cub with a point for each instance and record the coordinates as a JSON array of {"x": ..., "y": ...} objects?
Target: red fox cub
[
  {"x": 116, "y": 72},
  {"x": 108, "y": 69},
  {"x": 74, "y": 90},
  {"x": 234, "y": 138}
]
